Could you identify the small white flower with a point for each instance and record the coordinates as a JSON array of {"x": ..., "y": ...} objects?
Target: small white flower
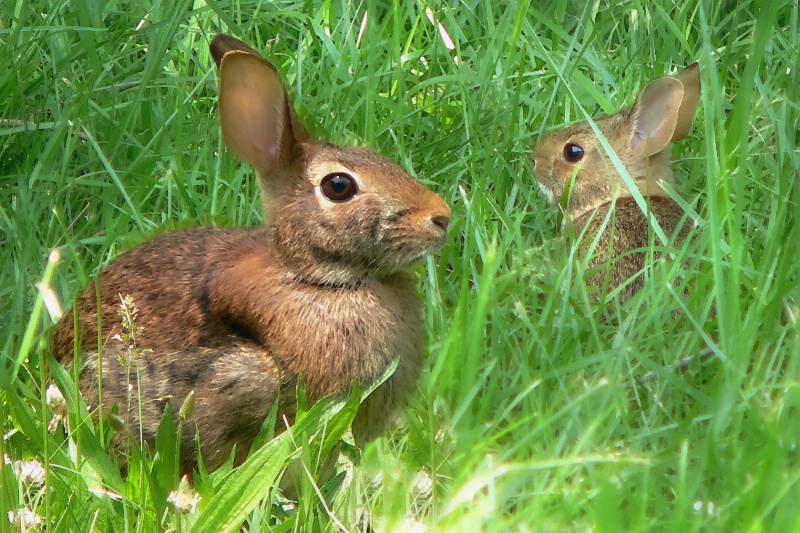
[
  {"x": 54, "y": 397},
  {"x": 29, "y": 472},
  {"x": 424, "y": 484},
  {"x": 58, "y": 404},
  {"x": 184, "y": 499},
  {"x": 410, "y": 525},
  {"x": 709, "y": 507},
  {"x": 24, "y": 519}
]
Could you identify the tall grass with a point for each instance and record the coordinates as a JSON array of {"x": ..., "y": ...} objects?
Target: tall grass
[{"x": 539, "y": 409}]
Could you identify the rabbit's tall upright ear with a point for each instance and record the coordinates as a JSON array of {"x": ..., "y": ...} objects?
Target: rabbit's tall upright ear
[
  {"x": 655, "y": 115},
  {"x": 690, "y": 78},
  {"x": 258, "y": 122}
]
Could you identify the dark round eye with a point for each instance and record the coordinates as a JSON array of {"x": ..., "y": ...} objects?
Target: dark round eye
[
  {"x": 338, "y": 187},
  {"x": 573, "y": 152}
]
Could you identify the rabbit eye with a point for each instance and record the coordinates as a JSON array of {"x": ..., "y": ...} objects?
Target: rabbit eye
[
  {"x": 338, "y": 187},
  {"x": 573, "y": 152}
]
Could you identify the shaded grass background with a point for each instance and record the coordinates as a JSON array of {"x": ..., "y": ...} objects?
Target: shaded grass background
[{"x": 540, "y": 409}]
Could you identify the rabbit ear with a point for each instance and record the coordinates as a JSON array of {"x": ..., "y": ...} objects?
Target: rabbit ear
[
  {"x": 258, "y": 121},
  {"x": 655, "y": 115},
  {"x": 222, "y": 44},
  {"x": 690, "y": 78}
]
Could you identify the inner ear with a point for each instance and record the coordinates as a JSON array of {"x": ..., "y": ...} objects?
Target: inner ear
[
  {"x": 655, "y": 115},
  {"x": 259, "y": 123},
  {"x": 252, "y": 107},
  {"x": 263, "y": 75},
  {"x": 690, "y": 78}
]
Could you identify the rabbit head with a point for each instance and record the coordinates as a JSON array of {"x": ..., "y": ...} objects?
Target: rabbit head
[
  {"x": 572, "y": 166},
  {"x": 335, "y": 215}
]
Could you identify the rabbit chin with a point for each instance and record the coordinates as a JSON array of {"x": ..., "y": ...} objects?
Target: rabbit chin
[
  {"x": 404, "y": 260},
  {"x": 337, "y": 275}
]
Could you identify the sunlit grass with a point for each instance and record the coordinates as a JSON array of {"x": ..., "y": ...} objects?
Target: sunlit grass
[{"x": 539, "y": 409}]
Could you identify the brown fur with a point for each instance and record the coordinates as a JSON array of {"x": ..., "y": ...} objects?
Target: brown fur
[
  {"x": 235, "y": 383},
  {"x": 641, "y": 138},
  {"x": 621, "y": 251},
  {"x": 236, "y": 315}
]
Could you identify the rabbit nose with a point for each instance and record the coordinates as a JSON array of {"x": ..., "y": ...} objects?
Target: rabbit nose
[{"x": 441, "y": 221}]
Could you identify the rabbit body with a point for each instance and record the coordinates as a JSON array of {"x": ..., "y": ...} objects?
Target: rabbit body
[
  {"x": 573, "y": 170},
  {"x": 621, "y": 251},
  {"x": 241, "y": 334},
  {"x": 323, "y": 291}
]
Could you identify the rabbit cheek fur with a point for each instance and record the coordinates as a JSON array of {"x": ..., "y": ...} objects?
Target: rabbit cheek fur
[{"x": 589, "y": 184}]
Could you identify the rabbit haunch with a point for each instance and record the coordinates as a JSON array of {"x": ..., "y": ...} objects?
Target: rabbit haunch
[{"x": 321, "y": 291}]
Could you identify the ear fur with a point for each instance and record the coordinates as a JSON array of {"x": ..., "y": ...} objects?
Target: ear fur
[
  {"x": 690, "y": 78},
  {"x": 258, "y": 121},
  {"x": 664, "y": 110},
  {"x": 655, "y": 115}
]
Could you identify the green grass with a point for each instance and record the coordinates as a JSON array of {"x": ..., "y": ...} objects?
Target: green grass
[{"x": 539, "y": 408}]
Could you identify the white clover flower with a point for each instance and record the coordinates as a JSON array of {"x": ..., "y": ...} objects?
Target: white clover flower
[
  {"x": 54, "y": 396},
  {"x": 709, "y": 508},
  {"x": 423, "y": 484},
  {"x": 29, "y": 472}
]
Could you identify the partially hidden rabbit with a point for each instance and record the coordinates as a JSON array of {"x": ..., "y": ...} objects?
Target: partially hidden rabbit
[
  {"x": 574, "y": 171},
  {"x": 235, "y": 315}
]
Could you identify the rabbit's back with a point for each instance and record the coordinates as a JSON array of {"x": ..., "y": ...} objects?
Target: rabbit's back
[
  {"x": 165, "y": 278},
  {"x": 621, "y": 252}
]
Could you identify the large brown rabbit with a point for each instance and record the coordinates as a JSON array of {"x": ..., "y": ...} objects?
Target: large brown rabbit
[
  {"x": 236, "y": 315},
  {"x": 575, "y": 172}
]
